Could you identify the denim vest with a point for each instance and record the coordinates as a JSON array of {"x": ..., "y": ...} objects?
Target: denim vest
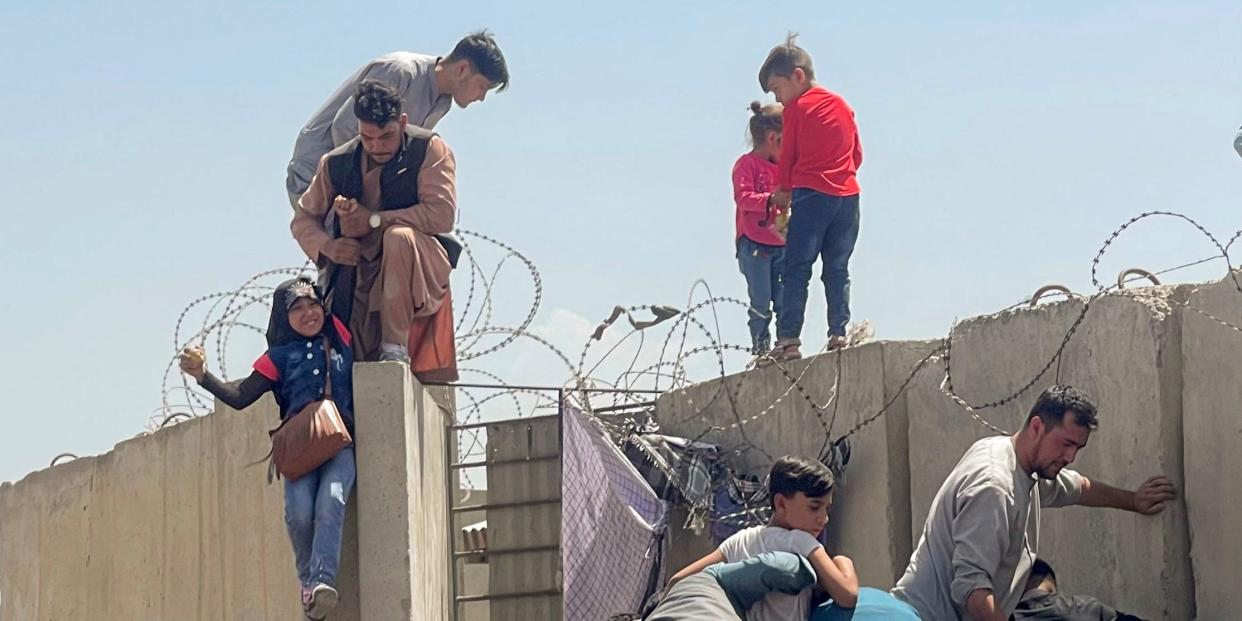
[{"x": 300, "y": 366}]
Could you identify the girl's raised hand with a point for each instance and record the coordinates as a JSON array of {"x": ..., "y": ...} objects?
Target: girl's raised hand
[{"x": 193, "y": 362}]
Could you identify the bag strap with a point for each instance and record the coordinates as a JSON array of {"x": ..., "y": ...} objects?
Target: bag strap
[{"x": 327, "y": 367}]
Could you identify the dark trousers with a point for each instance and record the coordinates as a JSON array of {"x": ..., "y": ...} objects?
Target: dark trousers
[{"x": 819, "y": 226}]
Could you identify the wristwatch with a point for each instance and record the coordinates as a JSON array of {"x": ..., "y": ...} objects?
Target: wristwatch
[{"x": 374, "y": 220}]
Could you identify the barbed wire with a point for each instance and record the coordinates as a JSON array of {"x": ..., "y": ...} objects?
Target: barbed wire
[
  {"x": 637, "y": 375},
  {"x": 942, "y": 351}
]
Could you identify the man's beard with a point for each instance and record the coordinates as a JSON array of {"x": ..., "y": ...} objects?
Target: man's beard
[{"x": 1046, "y": 472}]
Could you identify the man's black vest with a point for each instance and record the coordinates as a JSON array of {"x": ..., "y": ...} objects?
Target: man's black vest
[{"x": 399, "y": 178}]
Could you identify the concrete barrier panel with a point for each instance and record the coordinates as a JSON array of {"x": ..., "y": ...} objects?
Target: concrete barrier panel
[
  {"x": 402, "y": 496},
  {"x": 171, "y": 525},
  {"x": 62, "y": 540},
  {"x": 21, "y": 510},
  {"x": 1212, "y": 403},
  {"x": 1126, "y": 355},
  {"x": 135, "y": 504},
  {"x": 182, "y": 556}
]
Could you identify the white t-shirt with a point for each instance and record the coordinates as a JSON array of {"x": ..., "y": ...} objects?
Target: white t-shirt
[{"x": 756, "y": 540}]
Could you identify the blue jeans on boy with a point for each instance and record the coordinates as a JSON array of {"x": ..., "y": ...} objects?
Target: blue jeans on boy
[
  {"x": 819, "y": 226},
  {"x": 762, "y": 265},
  {"x": 315, "y": 516}
]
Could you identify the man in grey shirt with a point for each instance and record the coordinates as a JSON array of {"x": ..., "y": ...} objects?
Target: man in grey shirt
[
  {"x": 426, "y": 84},
  {"x": 977, "y": 546}
]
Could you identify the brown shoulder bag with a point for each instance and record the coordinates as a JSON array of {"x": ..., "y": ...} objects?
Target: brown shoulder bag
[{"x": 314, "y": 435}]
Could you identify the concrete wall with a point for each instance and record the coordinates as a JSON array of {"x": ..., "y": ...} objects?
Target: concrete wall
[
  {"x": 1163, "y": 377},
  {"x": 1212, "y": 415},
  {"x": 870, "y": 516},
  {"x": 175, "y": 526},
  {"x": 403, "y": 493}
]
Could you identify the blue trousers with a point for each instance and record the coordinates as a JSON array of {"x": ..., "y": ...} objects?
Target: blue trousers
[
  {"x": 819, "y": 226},
  {"x": 315, "y": 517},
  {"x": 762, "y": 265}
]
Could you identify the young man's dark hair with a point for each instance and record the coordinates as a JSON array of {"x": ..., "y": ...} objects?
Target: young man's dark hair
[
  {"x": 791, "y": 475},
  {"x": 376, "y": 103},
  {"x": 481, "y": 50},
  {"x": 1054, "y": 403},
  {"x": 782, "y": 61}
]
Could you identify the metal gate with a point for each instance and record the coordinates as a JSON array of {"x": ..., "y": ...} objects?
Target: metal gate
[{"x": 505, "y": 550}]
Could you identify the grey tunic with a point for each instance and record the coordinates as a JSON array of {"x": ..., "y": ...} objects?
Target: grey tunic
[
  {"x": 334, "y": 124},
  {"x": 976, "y": 535}
]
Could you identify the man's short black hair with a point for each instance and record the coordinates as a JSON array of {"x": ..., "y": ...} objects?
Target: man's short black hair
[
  {"x": 791, "y": 474},
  {"x": 481, "y": 50},
  {"x": 1040, "y": 571},
  {"x": 1054, "y": 403},
  {"x": 376, "y": 103},
  {"x": 782, "y": 61}
]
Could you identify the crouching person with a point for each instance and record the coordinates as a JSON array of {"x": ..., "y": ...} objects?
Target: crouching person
[{"x": 375, "y": 221}]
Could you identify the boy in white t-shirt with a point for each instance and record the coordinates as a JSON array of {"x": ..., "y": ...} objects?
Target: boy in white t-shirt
[{"x": 800, "y": 493}]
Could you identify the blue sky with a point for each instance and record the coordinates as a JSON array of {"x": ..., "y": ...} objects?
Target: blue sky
[{"x": 145, "y": 145}]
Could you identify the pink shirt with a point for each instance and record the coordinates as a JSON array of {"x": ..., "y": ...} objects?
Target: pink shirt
[{"x": 754, "y": 180}]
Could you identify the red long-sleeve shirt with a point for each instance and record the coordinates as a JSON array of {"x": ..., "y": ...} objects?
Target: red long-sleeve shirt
[{"x": 820, "y": 149}]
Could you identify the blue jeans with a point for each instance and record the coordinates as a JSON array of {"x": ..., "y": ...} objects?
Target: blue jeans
[
  {"x": 819, "y": 226},
  {"x": 315, "y": 516},
  {"x": 761, "y": 264}
]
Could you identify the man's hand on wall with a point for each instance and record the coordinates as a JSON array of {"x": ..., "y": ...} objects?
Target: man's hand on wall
[
  {"x": 341, "y": 251},
  {"x": 1150, "y": 497}
]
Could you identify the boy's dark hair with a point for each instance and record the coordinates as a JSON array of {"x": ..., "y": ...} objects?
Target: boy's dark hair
[
  {"x": 764, "y": 119},
  {"x": 1054, "y": 403},
  {"x": 791, "y": 474},
  {"x": 782, "y": 61},
  {"x": 481, "y": 50},
  {"x": 377, "y": 103}
]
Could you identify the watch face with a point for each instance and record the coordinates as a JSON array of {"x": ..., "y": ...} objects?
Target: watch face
[{"x": 374, "y": 221}]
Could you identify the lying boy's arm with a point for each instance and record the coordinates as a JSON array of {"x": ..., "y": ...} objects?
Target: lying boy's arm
[
  {"x": 836, "y": 576},
  {"x": 693, "y": 568}
]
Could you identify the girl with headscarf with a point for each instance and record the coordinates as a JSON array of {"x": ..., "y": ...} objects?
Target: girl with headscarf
[{"x": 304, "y": 343}]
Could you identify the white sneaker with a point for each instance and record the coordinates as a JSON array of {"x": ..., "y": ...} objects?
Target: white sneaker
[
  {"x": 323, "y": 600},
  {"x": 390, "y": 352}
]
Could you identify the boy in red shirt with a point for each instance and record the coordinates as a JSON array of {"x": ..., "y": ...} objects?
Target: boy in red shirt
[{"x": 820, "y": 157}]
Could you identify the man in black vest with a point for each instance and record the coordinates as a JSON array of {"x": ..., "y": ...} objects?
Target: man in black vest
[{"x": 370, "y": 219}]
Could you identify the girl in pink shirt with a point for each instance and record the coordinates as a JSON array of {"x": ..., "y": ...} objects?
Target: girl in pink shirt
[{"x": 760, "y": 245}]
